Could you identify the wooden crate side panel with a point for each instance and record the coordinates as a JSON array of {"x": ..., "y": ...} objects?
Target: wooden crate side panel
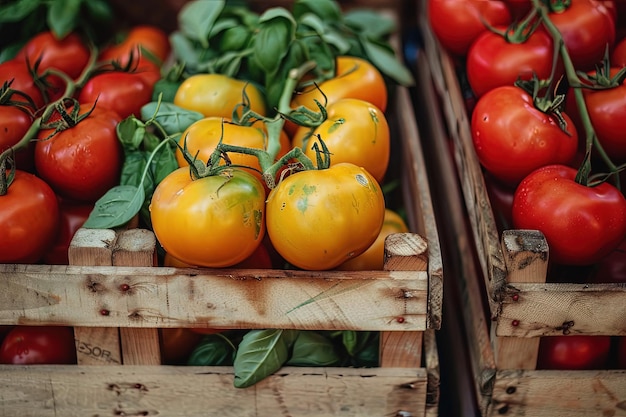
[
  {"x": 469, "y": 171},
  {"x": 42, "y": 391},
  {"x": 170, "y": 297},
  {"x": 559, "y": 393}
]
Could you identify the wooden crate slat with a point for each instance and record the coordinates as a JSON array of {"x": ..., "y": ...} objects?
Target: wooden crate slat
[
  {"x": 46, "y": 390},
  {"x": 560, "y": 393},
  {"x": 170, "y": 297}
]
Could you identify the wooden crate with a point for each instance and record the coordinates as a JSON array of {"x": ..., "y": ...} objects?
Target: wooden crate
[
  {"x": 500, "y": 278},
  {"x": 116, "y": 301}
]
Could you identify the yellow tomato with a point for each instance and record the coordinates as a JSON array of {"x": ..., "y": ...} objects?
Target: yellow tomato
[
  {"x": 355, "y": 78},
  {"x": 355, "y": 131},
  {"x": 217, "y": 95},
  {"x": 215, "y": 221},
  {"x": 318, "y": 219},
  {"x": 373, "y": 258}
]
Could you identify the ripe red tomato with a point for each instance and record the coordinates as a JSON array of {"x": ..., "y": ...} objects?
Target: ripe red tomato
[
  {"x": 123, "y": 92},
  {"x": 457, "y": 23},
  {"x": 574, "y": 352},
  {"x": 519, "y": 8},
  {"x": 72, "y": 216},
  {"x": 512, "y": 137},
  {"x": 151, "y": 38},
  {"x": 84, "y": 161},
  {"x": 22, "y": 79},
  {"x": 618, "y": 57},
  {"x": 15, "y": 122},
  {"x": 607, "y": 111},
  {"x": 39, "y": 345},
  {"x": 69, "y": 55},
  {"x": 581, "y": 224},
  {"x": 493, "y": 61},
  {"x": 587, "y": 28},
  {"x": 29, "y": 216}
]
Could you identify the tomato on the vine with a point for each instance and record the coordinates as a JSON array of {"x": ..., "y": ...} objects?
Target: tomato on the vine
[
  {"x": 15, "y": 122},
  {"x": 355, "y": 131},
  {"x": 202, "y": 137},
  {"x": 587, "y": 28},
  {"x": 457, "y": 23},
  {"x": 318, "y": 219},
  {"x": 84, "y": 161},
  {"x": 373, "y": 259},
  {"x": 39, "y": 345},
  {"x": 354, "y": 78},
  {"x": 512, "y": 137},
  {"x": 581, "y": 224},
  {"x": 217, "y": 95},
  {"x": 214, "y": 221},
  {"x": 22, "y": 78},
  {"x": 494, "y": 60},
  {"x": 574, "y": 352},
  {"x": 122, "y": 92}
]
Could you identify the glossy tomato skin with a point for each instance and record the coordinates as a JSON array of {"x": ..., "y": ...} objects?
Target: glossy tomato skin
[
  {"x": 72, "y": 216},
  {"x": 355, "y": 131},
  {"x": 492, "y": 61},
  {"x": 355, "y": 78},
  {"x": 151, "y": 38},
  {"x": 512, "y": 137},
  {"x": 574, "y": 352},
  {"x": 29, "y": 217},
  {"x": 216, "y": 221},
  {"x": 15, "y": 123},
  {"x": 22, "y": 79},
  {"x": 587, "y": 28},
  {"x": 38, "y": 345},
  {"x": 607, "y": 111},
  {"x": 457, "y": 23},
  {"x": 217, "y": 95},
  {"x": 122, "y": 92},
  {"x": 618, "y": 57},
  {"x": 318, "y": 219},
  {"x": 373, "y": 259},
  {"x": 581, "y": 224},
  {"x": 83, "y": 162}
]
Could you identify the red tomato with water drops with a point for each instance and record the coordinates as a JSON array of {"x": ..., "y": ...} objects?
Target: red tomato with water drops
[
  {"x": 15, "y": 122},
  {"x": 22, "y": 79},
  {"x": 493, "y": 61},
  {"x": 587, "y": 28},
  {"x": 574, "y": 352},
  {"x": 457, "y": 23},
  {"x": 123, "y": 92},
  {"x": 29, "y": 216},
  {"x": 82, "y": 162},
  {"x": 512, "y": 137},
  {"x": 26, "y": 345},
  {"x": 581, "y": 224}
]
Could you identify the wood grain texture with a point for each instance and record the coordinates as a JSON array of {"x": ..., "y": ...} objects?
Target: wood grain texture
[
  {"x": 94, "y": 345},
  {"x": 170, "y": 297},
  {"x": 559, "y": 394},
  {"x": 97, "y": 391}
]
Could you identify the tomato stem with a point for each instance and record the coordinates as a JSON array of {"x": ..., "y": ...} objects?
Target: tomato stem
[{"x": 6, "y": 179}]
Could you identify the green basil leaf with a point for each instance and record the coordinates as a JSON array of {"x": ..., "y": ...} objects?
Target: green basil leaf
[
  {"x": 313, "y": 349},
  {"x": 354, "y": 341},
  {"x": 172, "y": 118},
  {"x": 369, "y": 23},
  {"x": 234, "y": 39},
  {"x": 213, "y": 350},
  {"x": 130, "y": 133},
  {"x": 63, "y": 16},
  {"x": 185, "y": 50},
  {"x": 196, "y": 19},
  {"x": 133, "y": 167},
  {"x": 18, "y": 10},
  {"x": 386, "y": 61},
  {"x": 276, "y": 31},
  {"x": 99, "y": 10},
  {"x": 327, "y": 10},
  {"x": 368, "y": 356},
  {"x": 116, "y": 208},
  {"x": 260, "y": 354}
]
